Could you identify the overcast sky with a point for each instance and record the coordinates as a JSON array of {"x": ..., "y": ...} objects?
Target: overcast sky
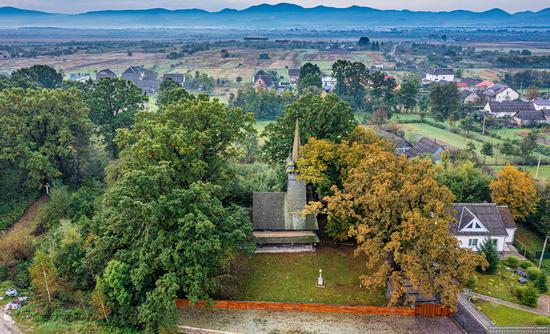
[{"x": 72, "y": 6}]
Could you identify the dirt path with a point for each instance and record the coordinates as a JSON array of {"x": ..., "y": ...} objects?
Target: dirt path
[
  {"x": 544, "y": 303},
  {"x": 19, "y": 232}
]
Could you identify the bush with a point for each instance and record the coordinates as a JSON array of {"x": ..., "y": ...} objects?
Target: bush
[
  {"x": 533, "y": 273},
  {"x": 525, "y": 264},
  {"x": 529, "y": 297},
  {"x": 22, "y": 279},
  {"x": 471, "y": 283},
  {"x": 520, "y": 290},
  {"x": 541, "y": 283},
  {"x": 511, "y": 261},
  {"x": 473, "y": 299},
  {"x": 543, "y": 321}
]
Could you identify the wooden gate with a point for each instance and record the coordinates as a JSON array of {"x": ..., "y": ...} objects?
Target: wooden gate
[{"x": 432, "y": 310}]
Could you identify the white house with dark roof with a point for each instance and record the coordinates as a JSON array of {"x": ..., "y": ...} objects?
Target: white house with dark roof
[
  {"x": 439, "y": 74},
  {"x": 541, "y": 104},
  {"x": 500, "y": 93},
  {"x": 474, "y": 222}
]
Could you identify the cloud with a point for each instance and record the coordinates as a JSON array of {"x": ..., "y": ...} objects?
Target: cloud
[{"x": 74, "y": 6}]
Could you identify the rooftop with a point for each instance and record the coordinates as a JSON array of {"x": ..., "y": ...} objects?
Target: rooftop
[
  {"x": 495, "y": 219},
  {"x": 511, "y": 107},
  {"x": 423, "y": 146}
]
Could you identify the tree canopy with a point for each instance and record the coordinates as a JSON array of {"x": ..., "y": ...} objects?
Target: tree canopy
[
  {"x": 468, "y": 183},
  {"x": 310, "y": 76},
  {"x": 517, "y": 190},
  {"x": 44, "y": 133},
  {"x": 164, "y": 229},
  {"x": 320, "y": 117},
  {"x": 114, "y": 104},
  {"x": 444, "y": 100},
  {"x": 399, "y": 217}
]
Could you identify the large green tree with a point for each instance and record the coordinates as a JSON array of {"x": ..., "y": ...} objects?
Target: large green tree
[
  {"x": 167, "y": 228},
  {"x": 407, "y": 94},
  {"x": 351, "y": 82},
  {"x": 264, "y": 104},
  {"x": 468, "y": 183},
  {"x": 444, "y": 100},
  {"x": 170, "y": 92},
  {"x": 320, "y": 117},
  {"x": 310, "y": 76},
  {"x": 44, "y": 133},
  {"x": 37, "y": 75},
  {"x": 114, "y": 104}
]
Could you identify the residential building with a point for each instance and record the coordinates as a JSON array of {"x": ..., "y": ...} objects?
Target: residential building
[
  {"x": 293, "y": 75},
  {"x": 400, "y": 144},
  {"x": 508, "y": 108},
  {"x": 522, "y": 118},
  {"x": 438, "y": 75},
  {"x": 143, "y": 78},
  {"x": 80, "y": 77},
  {"x": 475, "y": 222},
  {"x": 426, "y": 147},
  {"x": 178, "y": 78},
  {"x": 105, "y": 73},
  {"x": 328, "y": 83},
  {"x": 541, "y": 104},
  {"x": 500, "y": 93},
  {"x": 262, "y": 80},
  {"x": 469, "y": 97},
  {"x": 483, "y": 85}
]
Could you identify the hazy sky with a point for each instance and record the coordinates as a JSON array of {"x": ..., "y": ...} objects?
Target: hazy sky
[{"x": 71, "y": 6}]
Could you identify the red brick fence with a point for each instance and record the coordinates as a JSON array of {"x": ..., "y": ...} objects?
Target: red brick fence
[{"x": 429, "y": 310}]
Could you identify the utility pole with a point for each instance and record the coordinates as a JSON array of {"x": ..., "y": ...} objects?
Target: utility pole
[
  {"x": 483, "y": 131},
  {"x": 543, "y": 249},
  {"x": 538, "y": 167}
]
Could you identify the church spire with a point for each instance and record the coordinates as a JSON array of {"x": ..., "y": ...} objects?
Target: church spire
[{"x": 296, "y": 146}]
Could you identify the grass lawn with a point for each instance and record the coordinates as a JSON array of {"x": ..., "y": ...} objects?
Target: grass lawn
[
  {"x": 506, "y": 316},
  {"x": 529, "y": 237},
  {"x": 501, "y": 284},
  {"x": 415, "y": 131},
  {"x": 292, "y": 278},
  {"x": 544, "y": 171}
]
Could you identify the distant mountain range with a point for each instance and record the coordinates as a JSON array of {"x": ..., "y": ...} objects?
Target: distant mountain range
[{"x": 274, "y": 17}]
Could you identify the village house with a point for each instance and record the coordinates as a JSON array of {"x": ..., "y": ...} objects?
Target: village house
[
  {"x": 541, "y": 104},
  {"x": 508, "y": 108},
  {"x": 105, "y": 73},
  {"x": 178, "y": 78},
  {"x": 277, "y": 216},
  {"x": 293, "y": 75},
  {"x": 483, "y": 85},
  {"x": 500, "y": 93},
  {"x": 80, "y": 77},
  {"x": 438, "y": 75},
  {"x": 400, "y": 144},
  {"x": 328, "y": 84},
  {"x": 525, "y": 118},
  {"x": 145, "y": 79},
  {"x": 474, "y": 222},
  {"x": 469, "y": 97},
  {"x": 426, "y": 147},
  {"x": 262, "y": 80}
]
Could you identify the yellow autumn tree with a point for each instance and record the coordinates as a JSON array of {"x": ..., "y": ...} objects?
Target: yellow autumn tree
[
  {"x": 44, "y": 277},
  {"x": 324, "y": 164},
  {"x": 399, "y": 217},
  {"x": 517, "y": 190}
]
